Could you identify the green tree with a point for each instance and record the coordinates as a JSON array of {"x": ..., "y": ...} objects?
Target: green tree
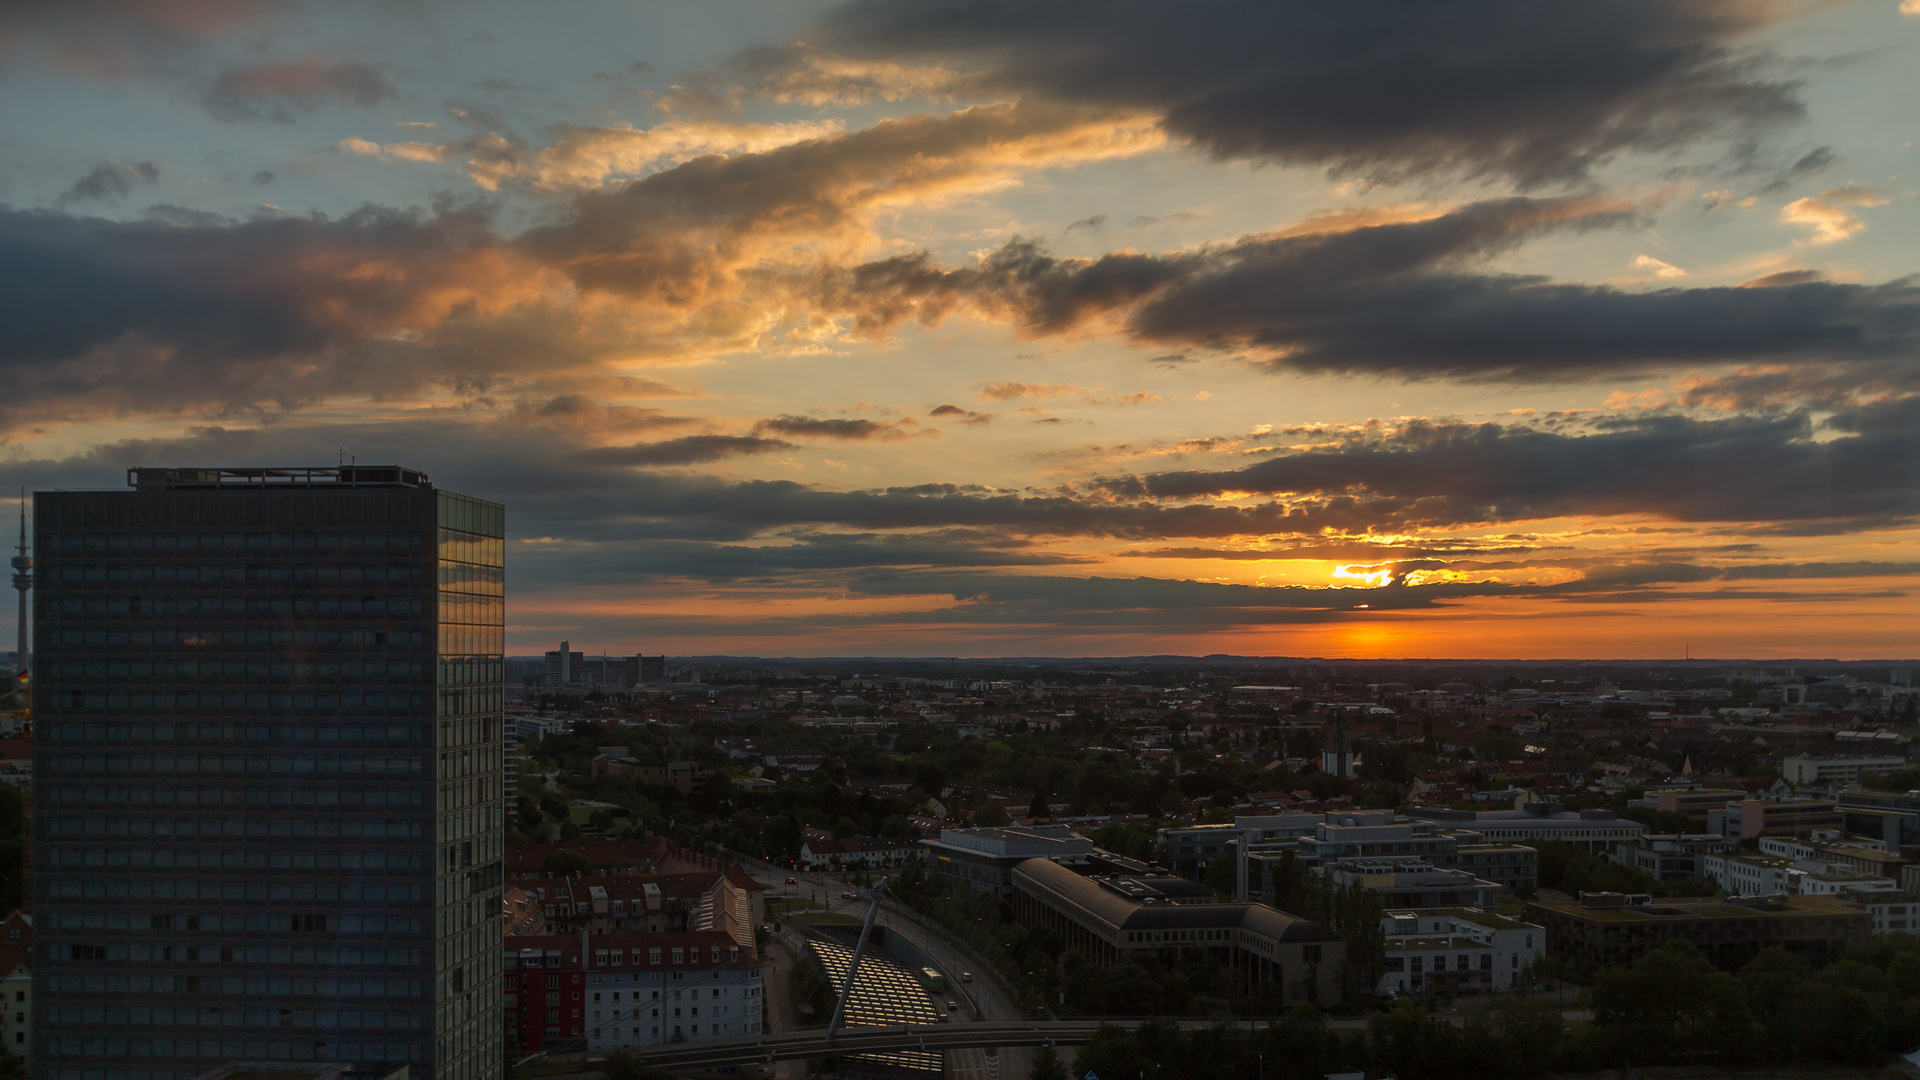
[
  {"x": 1111, "y": 1054},
  {"x": 1047, "y": 1065},
  {"x": 563, "y": 863},
  {"x": 1531, "y": 1032},
  {"x": 1223, "y": 876},
  {"x": 621, "y": 1065},
  {"x": 991, "y": 816}
]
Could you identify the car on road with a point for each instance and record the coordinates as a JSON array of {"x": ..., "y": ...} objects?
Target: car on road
[
  {"x": 793, "y": 881},
  {"x": 943, "y": 1018},
  {"x": 953, "y": 1006},
  {"x": 850, "y": 895},
  {"x": 966, "y": 976}
]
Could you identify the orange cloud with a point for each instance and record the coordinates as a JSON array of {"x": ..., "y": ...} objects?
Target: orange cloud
[
  {"x": 1830, "y": 223},
  {"x": 1006, "y": 391}
]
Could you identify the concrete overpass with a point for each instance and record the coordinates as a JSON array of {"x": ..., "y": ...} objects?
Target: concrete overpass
[{"x": 813, "y": 1043}]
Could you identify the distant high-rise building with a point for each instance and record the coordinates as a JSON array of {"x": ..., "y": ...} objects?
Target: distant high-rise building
[
  {"x": 564, "y": 666},
  {"x": 268, "y": 799}
]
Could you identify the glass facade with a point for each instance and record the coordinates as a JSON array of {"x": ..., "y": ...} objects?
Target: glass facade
[{"x": 268, "y": 804}]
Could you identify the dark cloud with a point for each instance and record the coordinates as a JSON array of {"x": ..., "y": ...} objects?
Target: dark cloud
[
  {"x": 111, "y": 180},
  {"x": 1536, "y": 92},
  {"x": 1741, "y": 469},
  {"x": 280, "y": 90},
  {"x": 1784, "y": 277},
  {"x": 1814, "y": 161},
  {"x": 116, "y": 316},
  {"x": 690, "y": 450},
  {"x": 264, "y": 176},
  {"x": 1318, "y": 301},
  {"x": 850, "y": 429},
  {"x": 965, "y": 416},
  {"x": 119, "y": 39}
]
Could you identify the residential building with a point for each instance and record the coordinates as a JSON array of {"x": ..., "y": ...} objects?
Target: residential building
[
  {"x": 623, "y": 990},
  {"x": 1671, "y": 856},
  {"x": 521, "y": 911},
  {"x": 1605, "y": 929},
  {"x": 1800, "y": 771},
  {"x": 1752, "y": 818},
  {"x": 726, "y": 899},
  {"x": 1107, "y": 918},
  {"x": 867, "y": 851},
  {"x": 1595, "y": 830},
  {"x": 1457, "y": 951},
  {"x": 268, "y": 773},
  {"x": 983, "y": 859},
  {"x": 16, "y": 986}
]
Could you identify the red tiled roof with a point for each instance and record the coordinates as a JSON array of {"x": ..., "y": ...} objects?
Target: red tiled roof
[{"x": 619, "y": 886}]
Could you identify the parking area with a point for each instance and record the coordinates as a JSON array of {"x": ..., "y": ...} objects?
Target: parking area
[{"x": 885, "y": 995}]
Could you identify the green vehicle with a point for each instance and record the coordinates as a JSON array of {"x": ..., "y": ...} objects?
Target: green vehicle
[{"x": 936, "y": 983}]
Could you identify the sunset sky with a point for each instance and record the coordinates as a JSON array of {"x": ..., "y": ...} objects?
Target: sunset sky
[{"x": 1490, "y": 328}]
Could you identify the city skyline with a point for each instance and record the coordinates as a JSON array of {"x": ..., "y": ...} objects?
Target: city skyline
[{"x": 957, "y": 329}]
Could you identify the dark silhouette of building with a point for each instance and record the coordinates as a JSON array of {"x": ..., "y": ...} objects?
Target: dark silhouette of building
[{"x": 268, "y": 804}]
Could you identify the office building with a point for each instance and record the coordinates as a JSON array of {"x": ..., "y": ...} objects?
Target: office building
[
  {"x": 1409, "y": 882},
  {"x": 1604, "y": 929},
  {"x": 1812, "y": 770},
  {"x": 1266, "y": 843},
  {"x": 982, "y": 860},
  {"x": 1751, "y": 818},
  {"x": 1871, "y": 860},
  {"x": 1106, "y": 918},
  {"x": 268, "y": 807},
  {"x": 684, "y": 987},
  {"x": 1459, "y": 951},
  {"x": 1695, "y": 803},
  {"x": 1595, "y": 830},
  {"x": 1671, "y": 856},
  {"x": 569, "y": 668},
  {"x": 564, "y": 667}
]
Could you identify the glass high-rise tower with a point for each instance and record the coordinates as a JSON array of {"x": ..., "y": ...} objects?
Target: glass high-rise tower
[{"x": 268, "y": 793}]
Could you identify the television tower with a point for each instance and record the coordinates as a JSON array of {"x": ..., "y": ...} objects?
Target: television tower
[{"x": 22, "y": 581}]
